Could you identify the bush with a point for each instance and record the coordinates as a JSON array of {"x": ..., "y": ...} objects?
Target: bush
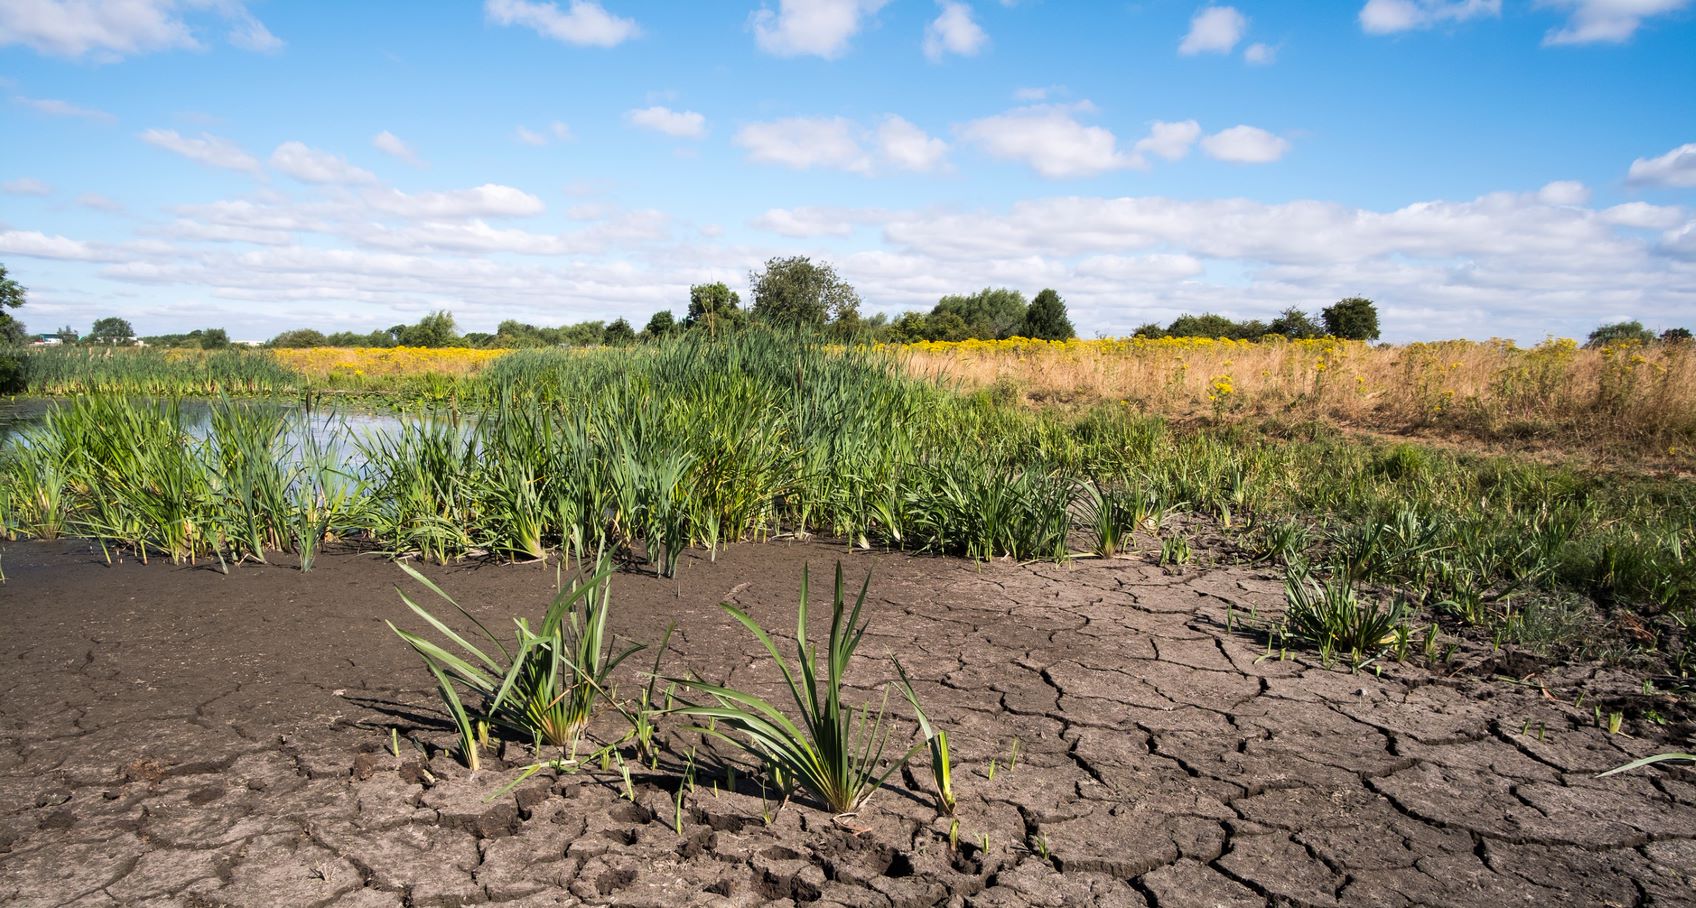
[{"x": 11, "y": 372}]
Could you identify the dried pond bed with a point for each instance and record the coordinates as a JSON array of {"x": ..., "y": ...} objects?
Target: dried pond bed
[{"x": 173, "y": 736}]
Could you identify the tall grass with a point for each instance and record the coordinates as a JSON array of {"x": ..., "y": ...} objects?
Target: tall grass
[
  {"x": 69, "y": 371},
  {"x": 1642, "y": 397},
  {"x": 699, "y": 442}
]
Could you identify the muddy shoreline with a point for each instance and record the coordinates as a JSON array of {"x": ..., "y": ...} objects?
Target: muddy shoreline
[{"x": 173, "y": 735}]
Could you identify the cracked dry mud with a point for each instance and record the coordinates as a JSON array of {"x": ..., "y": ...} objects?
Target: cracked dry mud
[{"x": 174, "y": 736}]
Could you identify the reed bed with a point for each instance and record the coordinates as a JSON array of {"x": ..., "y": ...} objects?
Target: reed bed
[
  {"x": 1639, "y": 396},
  {"x": 69, "y": 371},
  {"x": 696, "y": 443}
]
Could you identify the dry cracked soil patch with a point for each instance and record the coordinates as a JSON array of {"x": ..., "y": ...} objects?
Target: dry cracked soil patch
[{"x": 176, "y": 736}]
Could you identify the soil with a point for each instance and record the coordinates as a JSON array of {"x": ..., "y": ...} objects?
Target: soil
[{"x": 177, "y": 736}]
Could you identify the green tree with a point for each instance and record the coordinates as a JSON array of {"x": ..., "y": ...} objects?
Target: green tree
[
  {"x": 434, "y": 330},
  {"x": 1619, "y": 333},
  {"x": 67, "y": 335},
  {"x": 1676, "y": 336},
  {"x": 714, "y": 307},
  {"x": 1355, "y": 318},
  {"x": 618, "y": 334},
  {"x": 300, "y": 337},
  {"x": 111, "y": 330},
  {"x": 12, "y": 293},
  {"x": 1150, "y": 330},
  {"x": 991, "y": 313},
  {"x": 1295, "y": 325},
  {"x": 662, "y": 324},
  {"x": 1047, "y": 320},
  {"x": 796, "y": 291},
  {"x": 213, "y": 338}
]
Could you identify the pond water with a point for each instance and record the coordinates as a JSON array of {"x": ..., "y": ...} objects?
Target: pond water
[{"x": 338, "y": 430}]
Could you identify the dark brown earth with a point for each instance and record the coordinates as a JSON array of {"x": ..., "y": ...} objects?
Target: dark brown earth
[{"x": 176, "y": 736}]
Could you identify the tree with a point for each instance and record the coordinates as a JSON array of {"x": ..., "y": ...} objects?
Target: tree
[
  {"x": 1204, "y": 325},
  {"x": 1676, "y": 336},
  {"x": 1149, "y": 330},
  {"x": 1046, "y": 319},
  {"x": 111, "y": 330},
  {"x": 1355, "y": 318},
  {"x": 715, "y": 307},
  {"x": 990, "y": 313},
  {"x": 1295, "y": 325},
  {"x": 67, "y": 335},
  {"x": 662, "y": 324},
  {"x": 618, "y": 334},
  {"x": 1619, "y": 333},
  {"x": 796, "y": 292},
  {"x": 434, "y": 330},
  {"x": 300, "y": 337},
  {"x": 12, "y": 332},
  {"x": 11, "y": 292}
]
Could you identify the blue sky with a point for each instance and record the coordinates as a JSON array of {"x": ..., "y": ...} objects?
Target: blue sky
[{"x": 1513, "y": 168}]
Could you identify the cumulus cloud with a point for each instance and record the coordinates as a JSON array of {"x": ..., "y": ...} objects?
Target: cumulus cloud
[
  {"x": 556, "y": 132},
  {"x": 113, "y": 29},
  {"x": 805, "y": 143},
  {"x": 392, "y": 145},
  {"x": 582, "y": 22},
  {"x": 1051, "y": 140},
  {"x": 954, "y": 31},
  {"x": 208, "y": 149},
  {"x": 54, "y": 107},
  {"x": 310, "y": 165},
  {"x": 1171, "y": 141},
  {"x": 1214, "y": 30},
  {"x": 679, "y": 124},
  {"x": 1605, "y": 21},
  {"x": 1260, "y": 54},
  {"x": 1386, "y": 17},
  {"x": 1675, "y": 169},
  {"x": 25, "y": 186},
  {"x": 35, "y": 244},
  {"x": 487, "y": 200},
  {"x": 807, "y": 223},
  {"x": 908, "y": 147},
  {"x": 1644, "y": 216},
  {"x": 821, "y": 28},
  {"x": 1245, "y": 145},
  {"x": 1564, "y": 192},
  {"x": 98, "y": 202}
]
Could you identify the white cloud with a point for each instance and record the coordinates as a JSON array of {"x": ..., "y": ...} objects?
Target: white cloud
[
  {"x": 1215, "y": 29},
  {"x": 557, "y": 132},
  {"x": 390, "y": 144},
  {"x": 113, "y": 29},
  {"x": 907, "y": 146},
  {"x": 211, "y": 150},
  {"x": 583, "y": 22},
  {"x": 679, "y": 124},
  {"x": 561, "y": 132},
  {"x": 99, "y": 202},
  {"x": 1245, "y": 145},
  {"x": 528, "y": 137},
  {"x": 25, "y": 186},
  {"x": 1033, "y": 94},
  {"x": 56, "y": 108},
  {"x": 310, "y": 165},
  {"x": 805, "y": 143},
  {"x": 1676, "y": 168},
  {"x": 1051, "y": 140},
  {"x": 1564, "y": 192},
  {"x": 1154, "y": 267},
  {"x": 1605, "y": 21},
  {"x": 806, "y": 223},
  {"x": 248, "y": 33},
  {"x": 1171, "y": 141},
  {"x": 1644, "y": 216},
  {"x": 488, "y": 200},
  {"x": 1260, "y": 54},
  {"x": 39, "y": 245},
  {"x": 953, "y": 31},
  {"x": 1385, "y": 17},
  {"x": 820, "y": 28}
]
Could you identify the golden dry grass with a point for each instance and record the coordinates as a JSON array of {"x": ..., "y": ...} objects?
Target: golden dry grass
[{"x": 1555, "y": 394}]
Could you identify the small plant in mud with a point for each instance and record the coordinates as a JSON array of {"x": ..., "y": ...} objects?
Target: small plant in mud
[
  {"x": 1175, "y": 551},
  {"x": 1648, "y": 761},
  {"x": 1331, "y": 618},
  {"x": 941, "y": 761},
  {"x": 835, "y": 753},
  {"x": 544, "y": 690}
]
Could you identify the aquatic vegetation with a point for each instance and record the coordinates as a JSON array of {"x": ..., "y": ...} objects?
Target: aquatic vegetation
[{"x": 835, "y": 752}]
